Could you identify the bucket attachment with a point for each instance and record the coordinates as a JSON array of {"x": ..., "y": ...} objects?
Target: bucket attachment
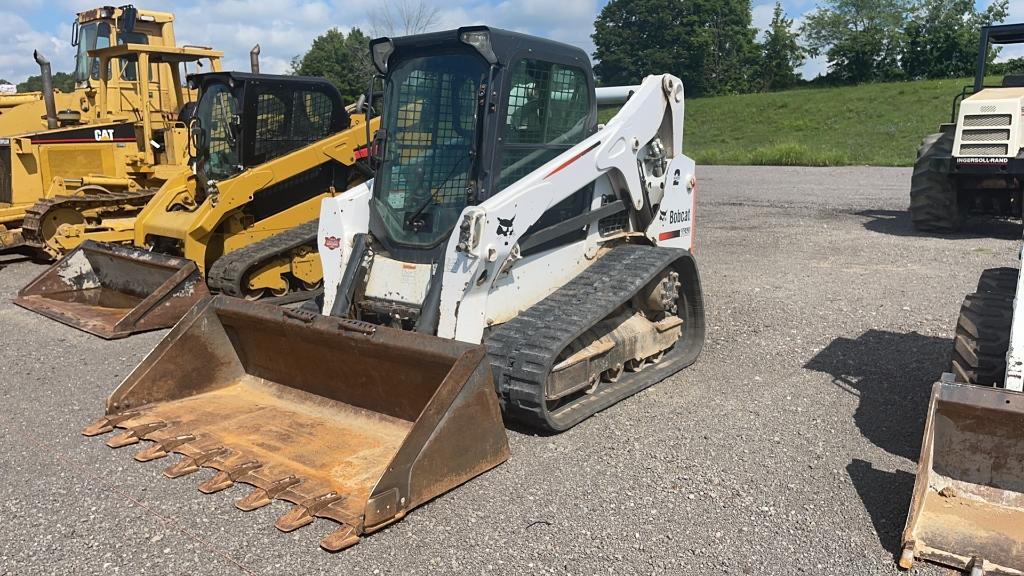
[
  {"x": 346, "y": 420},
  {"x": 968, "y": 505},
  {"x": 114, "y": 291}
]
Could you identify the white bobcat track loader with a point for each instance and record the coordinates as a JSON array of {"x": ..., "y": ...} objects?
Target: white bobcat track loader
[
  {"x": 967, "y": 509},
  {"x": 564, "y": 248},
  {"x": 510, "y": 259}
]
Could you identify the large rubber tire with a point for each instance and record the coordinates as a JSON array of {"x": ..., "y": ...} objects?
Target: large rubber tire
[
  {"x": 1002, "y": 281},
  {"x": 983, "y": 330},
  {"x": 933, "y": 196}
]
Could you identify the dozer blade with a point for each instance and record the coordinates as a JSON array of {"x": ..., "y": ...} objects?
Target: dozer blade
[
  {"x": 345, "y": 420},
  {"x": 114, "y": 291},
  {"x": 968, "y": 505}
]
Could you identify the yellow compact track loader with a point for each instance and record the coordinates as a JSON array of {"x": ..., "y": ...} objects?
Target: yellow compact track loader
[
  {"x": 268, "y": 150},
  {"x": 509, "y": 259},
  {"x": 94, "y": 175}
]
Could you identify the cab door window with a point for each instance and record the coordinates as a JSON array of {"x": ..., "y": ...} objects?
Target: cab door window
[{"x": 547, "y": 112}]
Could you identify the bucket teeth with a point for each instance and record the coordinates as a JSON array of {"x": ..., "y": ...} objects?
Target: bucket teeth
[
  {"x": 134, "y": 434},
  {"x": 226, "y": 478},
  {"x": 162, "y": 448},
  {"x": 107, "y": 423},
  {"x": 260, "y": 497},
  {"x": 188, "y": 465},
  {"x": 304, "y": 513},
  {"x": 344, "y": 537}
]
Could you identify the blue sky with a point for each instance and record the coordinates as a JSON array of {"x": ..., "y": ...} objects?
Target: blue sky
[{"x": 285, "y": 28}]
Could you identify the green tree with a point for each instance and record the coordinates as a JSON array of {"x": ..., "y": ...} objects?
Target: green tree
[
  {"x": 709, "y": 44},
  {"x": 942, "y": 37},
  {"x": 731, "y": 63},
  {"x": 862, "y": 39},
  {"x": 781, "y": 53},
  {"x": 1011, "y": 66},
  {"x": 61, "y": 81},
  {"x": 343, "y": 60}
]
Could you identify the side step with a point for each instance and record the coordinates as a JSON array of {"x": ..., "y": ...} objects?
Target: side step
[
  {"x": 346, "y": 420},
  {"x": 968, "y": 505},
  {"x": 114, "y": 291}
]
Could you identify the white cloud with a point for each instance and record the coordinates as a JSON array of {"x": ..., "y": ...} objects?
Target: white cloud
[
  {"x": 761, "y": 15},
  {"x": 17, "y": 42},
  {"x": 814, "y": 67}
]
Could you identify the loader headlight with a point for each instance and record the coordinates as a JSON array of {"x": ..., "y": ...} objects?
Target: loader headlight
[
  {"x": 381, "y": 50},
  {"x": 481, "y": 40}
]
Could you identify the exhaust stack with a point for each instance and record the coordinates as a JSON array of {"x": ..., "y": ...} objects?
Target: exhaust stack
[
  {"x": 254, "y": 59},
  {"x": 48, "y": 97}
]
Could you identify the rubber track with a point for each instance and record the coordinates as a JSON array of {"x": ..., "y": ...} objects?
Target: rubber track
[
  {"x": 31, "y": 226},
  {"x": 523, "y": 350},
  {"x": 229, "y": 271}
]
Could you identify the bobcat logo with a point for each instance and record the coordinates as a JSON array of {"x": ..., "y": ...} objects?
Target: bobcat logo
[
  {"x": 661, "y": 215},
  {"x": 332, "y": 242},
  {"x": 505, "y": 226}
]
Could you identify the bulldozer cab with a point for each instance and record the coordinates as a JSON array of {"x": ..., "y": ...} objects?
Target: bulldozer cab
[
  {"x": 244, "y": 120},
  {"x": 108, "y": 26},
  {"x": 467, "y": 112}
]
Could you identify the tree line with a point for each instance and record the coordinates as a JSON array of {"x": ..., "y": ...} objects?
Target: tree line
[{"x": 712, "y": 45}]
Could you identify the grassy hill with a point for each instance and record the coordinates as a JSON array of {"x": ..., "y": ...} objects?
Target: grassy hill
[{"x": 876, "y": 124}]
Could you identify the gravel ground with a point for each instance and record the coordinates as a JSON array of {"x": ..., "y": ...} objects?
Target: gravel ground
[{"x": 789, "y": 447}]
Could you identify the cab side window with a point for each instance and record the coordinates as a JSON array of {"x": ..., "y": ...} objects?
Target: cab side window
[
  {"x": 547, "y": 112},
  {"x": 130, "y": 64}
]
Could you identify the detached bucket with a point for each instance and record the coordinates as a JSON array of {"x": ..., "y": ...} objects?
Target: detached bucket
[
  {"x": 346, "y": 420},
  {"x": 114, "y": 291},
  {"x": 968, "y": 506}
]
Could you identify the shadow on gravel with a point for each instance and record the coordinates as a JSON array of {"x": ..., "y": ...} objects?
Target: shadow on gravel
[
  {"x": 897, "y": 223},
  {"x": 892, "y": 375},
  {"x": 886, "y": 497}
]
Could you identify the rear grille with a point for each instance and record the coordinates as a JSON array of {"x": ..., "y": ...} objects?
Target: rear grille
[
  {"x": 6, "y": 196},
  {"x": 988, "y": 135},
  {"x": 983, "y": 149},
  {"x": 987, "y": 120}
]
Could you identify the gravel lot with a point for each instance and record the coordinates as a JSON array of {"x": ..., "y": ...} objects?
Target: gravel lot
[{"x": 789, "y": 447}]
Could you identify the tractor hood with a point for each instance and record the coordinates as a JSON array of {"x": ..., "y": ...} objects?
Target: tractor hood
[{"x": 989, "y": 125}]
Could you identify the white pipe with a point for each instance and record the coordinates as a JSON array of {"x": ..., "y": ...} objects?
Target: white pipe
[{"x": 612, "y": 95}]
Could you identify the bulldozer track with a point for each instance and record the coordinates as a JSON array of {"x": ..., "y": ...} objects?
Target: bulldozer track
[
  {"x": 523, "y": 350},
  {"x": 228, "y": 272},
  {"x": 31, "y": 227}
]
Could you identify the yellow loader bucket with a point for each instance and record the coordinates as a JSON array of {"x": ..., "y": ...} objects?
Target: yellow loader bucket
[
  {"x": 346, "y": 420},
  {"x": 113, "y": 291},
  {"x": 968, "y": 505}
]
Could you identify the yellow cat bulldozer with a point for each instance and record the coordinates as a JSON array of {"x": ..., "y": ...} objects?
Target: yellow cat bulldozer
[
  {"x": 93, "y": 171},
  {"x": 268, "y": 149}
]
